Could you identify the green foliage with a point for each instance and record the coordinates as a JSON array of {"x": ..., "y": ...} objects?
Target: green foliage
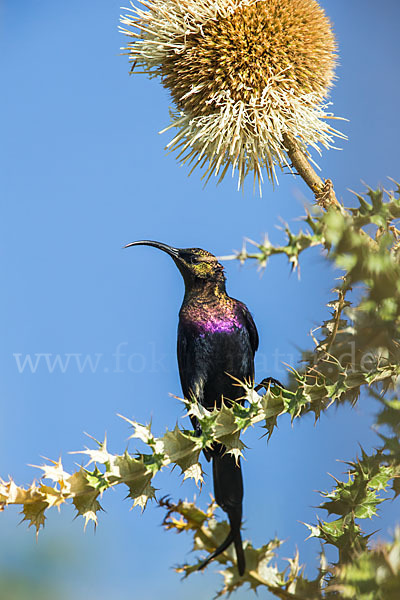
[
  {"x": 356, "y": 348},
  {"x": 373, "y": 575},
  {"x": 261, "y": 569},
  {"x": 369, "y": 480}
]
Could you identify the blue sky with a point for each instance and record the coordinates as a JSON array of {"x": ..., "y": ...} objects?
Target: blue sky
[{"x": 84, "y": 172}]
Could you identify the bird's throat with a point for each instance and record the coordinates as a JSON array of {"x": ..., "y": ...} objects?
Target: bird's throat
[
  {"x": 205, "y": 291},
  {"x": 209, "y": 309}
]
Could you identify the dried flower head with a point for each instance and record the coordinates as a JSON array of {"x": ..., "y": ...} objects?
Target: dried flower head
[{"x": 242, "y": 75}]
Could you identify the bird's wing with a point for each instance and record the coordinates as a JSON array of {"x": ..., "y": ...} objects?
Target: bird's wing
[
  {"x": 251, "y": 327},
  {"x": 182, "y": 353},
  {"x": 186, "y": 371}
]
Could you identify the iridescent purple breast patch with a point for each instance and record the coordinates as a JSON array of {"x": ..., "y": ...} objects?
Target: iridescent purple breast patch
[{"x": 217, "y": 324}]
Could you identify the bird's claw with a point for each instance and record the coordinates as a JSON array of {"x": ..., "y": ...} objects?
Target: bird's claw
[{"x": 267, "y": 382}]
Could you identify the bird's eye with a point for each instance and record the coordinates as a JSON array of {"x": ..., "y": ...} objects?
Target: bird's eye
[{"x": 194, "y": 260}]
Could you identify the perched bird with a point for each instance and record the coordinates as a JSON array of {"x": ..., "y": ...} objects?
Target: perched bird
[{"x": 217, "y": 339}]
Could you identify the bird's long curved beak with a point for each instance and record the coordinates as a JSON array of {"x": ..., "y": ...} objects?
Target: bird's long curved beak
[{"x": 174, "y": 252}]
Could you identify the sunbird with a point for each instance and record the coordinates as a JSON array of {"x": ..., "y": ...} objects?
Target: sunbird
[{"x": 217, "y": 340}]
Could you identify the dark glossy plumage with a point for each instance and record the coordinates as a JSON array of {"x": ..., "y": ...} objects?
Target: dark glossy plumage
[
  {"x": 206, "y": 355},
  {"x": 217, "y": 338}
]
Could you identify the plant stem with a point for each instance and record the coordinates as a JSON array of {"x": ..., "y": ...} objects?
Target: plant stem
[{"x": 322, "y": 190}]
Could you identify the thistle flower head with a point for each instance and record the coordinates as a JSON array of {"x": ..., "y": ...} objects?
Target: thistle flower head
[{"x": 242, "y": 75}]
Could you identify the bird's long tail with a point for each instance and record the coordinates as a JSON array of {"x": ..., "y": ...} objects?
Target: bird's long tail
[{"x": 228, "y": 491}]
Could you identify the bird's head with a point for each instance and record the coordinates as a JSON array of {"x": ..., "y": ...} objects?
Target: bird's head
[{"x": 196, "y": 265}]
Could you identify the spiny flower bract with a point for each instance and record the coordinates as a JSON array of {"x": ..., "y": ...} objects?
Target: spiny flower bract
[{"x": 242, "y": 75}]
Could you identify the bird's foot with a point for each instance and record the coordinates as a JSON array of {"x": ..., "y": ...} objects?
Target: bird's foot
[{"x": 267, "y": 383}]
